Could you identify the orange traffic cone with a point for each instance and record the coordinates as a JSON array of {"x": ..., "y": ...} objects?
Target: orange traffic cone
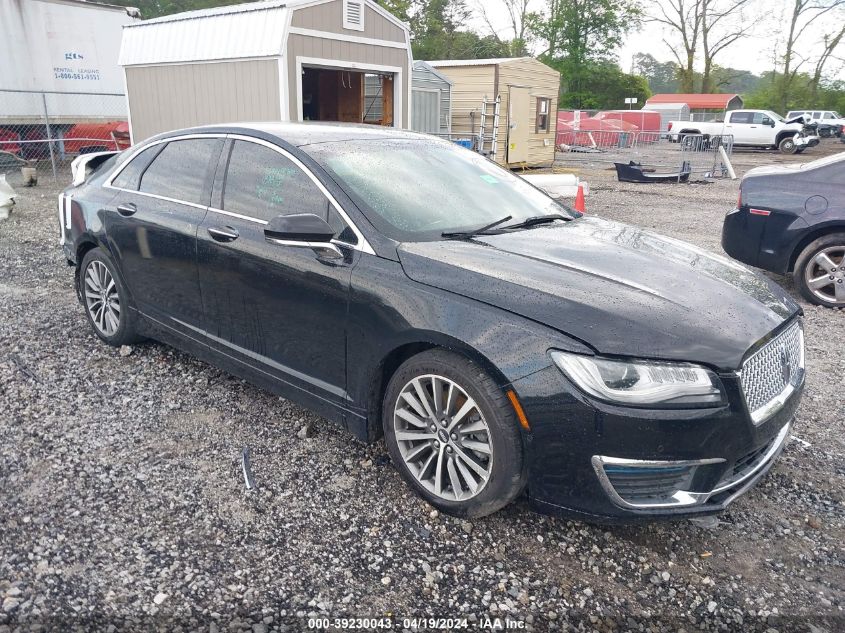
[{"x": 579, "y": 199}]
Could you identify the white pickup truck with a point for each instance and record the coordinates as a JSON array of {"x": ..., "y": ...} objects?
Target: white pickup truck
[{"x": 752, "y": 128}]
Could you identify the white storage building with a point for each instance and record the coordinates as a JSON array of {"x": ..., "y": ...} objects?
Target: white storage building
[{"x": 273, "y": 60}]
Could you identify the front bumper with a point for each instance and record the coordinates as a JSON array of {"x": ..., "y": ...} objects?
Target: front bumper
[
  {"x": 611, "y": 464},
  {"x": 807, "y": 141}
]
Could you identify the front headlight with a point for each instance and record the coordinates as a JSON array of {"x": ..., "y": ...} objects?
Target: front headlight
[{"x": 641, "y": 382}]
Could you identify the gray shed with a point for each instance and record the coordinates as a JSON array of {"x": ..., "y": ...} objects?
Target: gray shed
[
  {"x": 670, "y": 112},
  {"x": 431, "y": 100},
  {"x": 272, "y": 60}
]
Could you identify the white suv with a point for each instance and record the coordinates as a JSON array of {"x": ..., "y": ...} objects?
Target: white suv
[{"x": 830, "y": 122}]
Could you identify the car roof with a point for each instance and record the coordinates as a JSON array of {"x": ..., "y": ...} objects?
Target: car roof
[{"x": 300, "y": 134}]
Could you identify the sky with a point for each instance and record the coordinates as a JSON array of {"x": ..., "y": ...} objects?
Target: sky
[{"x": 754, "y": 53}]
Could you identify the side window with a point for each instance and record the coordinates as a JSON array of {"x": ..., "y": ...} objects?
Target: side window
[
  {"x": 543, "y": 107},
  {"x": 740, "y": 117},
  {"x": 180, "y": 170},
  {"x": 262, "y": 183},
  {"x": 817, "y": 115},
  {"x": 829, "y": 115},
  {"x": 767, "y": 120},
  {"x": 757, "y": 118},
  {"x": 130, "y": 175}
]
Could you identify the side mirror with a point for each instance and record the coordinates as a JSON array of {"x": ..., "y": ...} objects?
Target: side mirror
[
  {"x": 303, "y": 230},
  {"x": 771, "y": 123},
  {"x": 300, "y": 227}
]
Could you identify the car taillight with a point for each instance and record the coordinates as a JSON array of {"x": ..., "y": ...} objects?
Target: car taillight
[{"x": 670, "y": 126}]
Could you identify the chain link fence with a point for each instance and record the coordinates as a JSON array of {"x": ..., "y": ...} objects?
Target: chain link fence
[
  {"x": 47, "y": 130},
  {"x": 703, "y": 156}
]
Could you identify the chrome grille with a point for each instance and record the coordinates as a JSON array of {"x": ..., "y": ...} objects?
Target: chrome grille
[{"x": 773, "y": 372}]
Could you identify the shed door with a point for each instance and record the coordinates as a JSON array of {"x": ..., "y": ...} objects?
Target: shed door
[
  {"x": 426, "y": 111},
  {"x": 519, "y": 124}
]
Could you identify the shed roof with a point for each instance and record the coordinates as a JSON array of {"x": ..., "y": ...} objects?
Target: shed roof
[
  {"x": 694, "y": 101},
  {"x": 421, "y": 65},
  {"x": 667, "y": 106},
  {"x": 493, "y": 61},
  {"x": 237, "y": 31}
]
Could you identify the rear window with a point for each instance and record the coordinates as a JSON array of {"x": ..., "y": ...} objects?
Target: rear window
[
  {"x": 179, "y": 171},
  {"x": 130, "y": 175}
]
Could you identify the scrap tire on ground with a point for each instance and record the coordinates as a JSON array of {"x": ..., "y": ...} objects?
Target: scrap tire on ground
[
  {"x": 787, "y": 145},
  {"x": 807, "y": 268},
  {"x": 507, "y": 471}
]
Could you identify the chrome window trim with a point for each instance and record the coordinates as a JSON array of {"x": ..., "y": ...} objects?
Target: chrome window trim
[
  {"x": 184, "y": 137},
  {"x": 363, "y": 245}
]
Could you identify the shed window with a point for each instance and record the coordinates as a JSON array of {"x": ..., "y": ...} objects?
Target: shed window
[
  {"x": 543, "y": 107},
  {"x": 353, "y": 14}
]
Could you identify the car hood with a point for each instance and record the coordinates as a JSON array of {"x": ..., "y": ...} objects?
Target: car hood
[{"x": 619, "y": 289}]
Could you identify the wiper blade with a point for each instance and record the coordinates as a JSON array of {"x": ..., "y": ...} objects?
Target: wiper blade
[
  {"x": 538, "y": 219},
  {"x": 478, "y": 231}
]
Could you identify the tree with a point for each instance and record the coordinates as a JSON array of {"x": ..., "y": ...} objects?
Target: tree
[
  {"x": 722, "y": 24},
  {"x": 579, "y": 38},
  {"x": 804, "y": 13},
  {"x": 831, "y": 43},
  {"x": 436, "y": 33},
  {"x": 684, "y": 18},
  {"x": 661, "y": 76},
  {"x": 604, "y": 86},
  {"x": 518, "y": 13}
]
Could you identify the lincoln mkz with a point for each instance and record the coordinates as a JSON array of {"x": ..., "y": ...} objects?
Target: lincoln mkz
[{"x": 409, "y": 288}]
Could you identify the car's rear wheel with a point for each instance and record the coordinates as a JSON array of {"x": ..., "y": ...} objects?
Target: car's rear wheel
[
  {"x": 453, "y": 434},
  {"x": 787, "y": 145},
  {"x": 820, "y": 271},
  {"x": 106, "y": 300}
]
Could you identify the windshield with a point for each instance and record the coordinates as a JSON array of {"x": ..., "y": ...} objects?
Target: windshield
[
  {"x": 775, "y": 115},
  {"x": 836, "y": 115},
  {"x": 415, "y": 190}
]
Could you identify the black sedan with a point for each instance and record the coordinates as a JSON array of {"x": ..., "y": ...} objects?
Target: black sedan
[
  {"x": 791, "y": 219},
  {"x": 407, "y": 287}
]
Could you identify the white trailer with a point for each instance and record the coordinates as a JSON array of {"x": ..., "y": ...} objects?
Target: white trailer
[{"x": 61, "y": 55}]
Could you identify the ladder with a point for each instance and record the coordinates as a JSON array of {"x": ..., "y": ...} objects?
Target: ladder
[{"x": 494, "y": 138}]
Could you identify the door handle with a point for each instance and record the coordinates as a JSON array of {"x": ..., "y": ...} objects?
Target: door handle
[
  {"x": 223, "y": 234},
  {"x": 127, "y": 209}
]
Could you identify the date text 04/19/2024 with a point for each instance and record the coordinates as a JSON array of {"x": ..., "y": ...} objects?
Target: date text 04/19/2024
[{"x": 416, "y": 623}]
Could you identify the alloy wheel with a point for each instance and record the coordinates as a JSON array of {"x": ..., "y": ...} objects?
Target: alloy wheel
[
  {"x": 443, "y": 437},
  {"x": 101, "y": 298},
  {"x": 825, "y": 274}
]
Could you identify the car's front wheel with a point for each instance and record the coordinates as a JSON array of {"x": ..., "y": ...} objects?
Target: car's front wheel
[
  {"x": 787, "y": 146},
  {"x": 453, "y": 434},
  {"x": 105, "y": 299},
  {"x": 820, "y": 271}
]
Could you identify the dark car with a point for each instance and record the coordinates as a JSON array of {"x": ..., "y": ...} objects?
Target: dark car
[
  {"x": 402, "y": 285},
  {"x": 791, "y": 219}
]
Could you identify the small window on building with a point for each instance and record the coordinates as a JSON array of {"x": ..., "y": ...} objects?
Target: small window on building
[
  {"x": 544, "y": 105},
  {"x": 353, "y": 15}
]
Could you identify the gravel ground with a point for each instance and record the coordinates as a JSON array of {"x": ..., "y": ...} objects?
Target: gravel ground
[{"x": 122, "y": 505}]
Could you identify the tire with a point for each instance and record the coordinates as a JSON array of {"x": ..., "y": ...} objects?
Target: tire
[
  {"x": 113, "y": 322},
  {"x": 800, "y": 150},
  {"x": 822, "y": 259},
  {"x": 787, "y": 145},
  {"x": 489, "y": 425}
]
